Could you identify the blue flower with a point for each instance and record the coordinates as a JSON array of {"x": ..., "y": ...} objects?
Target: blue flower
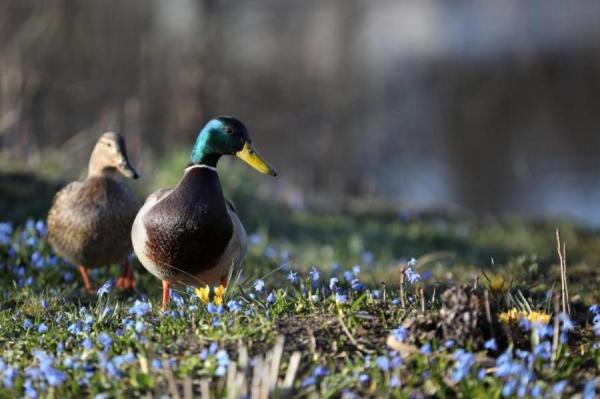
[
  {"x": 215, "y": 309},
  {"x": 481, "y": 374},
  {"x": 321, "y": 372},
  {"x": 9, "y": 376},
  {"x": 356, "y": 269},
  {"x": 75, "y": 328},
  {"x": 178, "y": 299},
  {"x": 509, "y": 388},
  {"x": 364, "y": 378},
  {"x": 40, "y": 227},
  {"x": 357, "y": 285},
  {"x": 293, "y": 277},
  {"x": 400, "y": 334},
  {"x": 595, "y": 309},
  {"x": 559, "y": 387},
  {"x": 259, "y": 285},
  {"x": 37, "y": 260},
  {"x": 87, "y": 344},
  {"x": 341, "y": 297},
  {"x": 333, "y": 283},
  {"x": 271, "y": 298},
  {"x": 348, "y": 275},
  {"x": 140, "y": 308},
  {"x": 68, "y": 276},
  {"x": 383, "y": 362},
  {"x": 543, "y": 350},
  {"x": 464, "y": 361},
  {"x": 412, "y": 276},
  {"x": 156, "y": 364},
  {"x": 234, "y": 306},
  {"x": 426, "y": 349},
  {"x": 42, "y": 328},
  {"x": 491, "y": 345},
  {"x": 105, "y": 340},
  {"x": 139, "y": 326},
  {"x": 104, "y": 289},
  {"x": 589, "y": 390},
  {"x": 27, "y": 324},
  {"x": 314, "y": 274},
  {"x": 376, "y": 294}
]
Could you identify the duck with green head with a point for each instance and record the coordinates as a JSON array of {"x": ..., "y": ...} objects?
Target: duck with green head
[{"x": 191, "y": 234}]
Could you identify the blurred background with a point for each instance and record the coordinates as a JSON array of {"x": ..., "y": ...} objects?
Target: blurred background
[{"x": 473, "y": 106}]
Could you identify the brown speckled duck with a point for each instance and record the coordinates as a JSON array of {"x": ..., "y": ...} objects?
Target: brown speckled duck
[
  {"x": 191, "y": 234},
  {"x": 90, "y": 221}
]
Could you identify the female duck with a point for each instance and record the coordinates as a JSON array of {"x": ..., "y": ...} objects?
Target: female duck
[
  {"x": 190, "y": 234},
  {"x": 90, "y": 221}
]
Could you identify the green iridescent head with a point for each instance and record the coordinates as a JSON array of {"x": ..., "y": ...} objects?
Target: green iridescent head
[{"x": 225, "y": 135}]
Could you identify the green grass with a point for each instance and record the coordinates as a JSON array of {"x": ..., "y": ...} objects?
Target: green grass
[{"x": 340, "y": 343}]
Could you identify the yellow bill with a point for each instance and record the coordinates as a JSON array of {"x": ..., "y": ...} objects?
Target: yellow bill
[{"x": 249, "y": 155}]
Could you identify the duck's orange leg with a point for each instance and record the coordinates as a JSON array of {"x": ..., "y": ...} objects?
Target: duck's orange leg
[
  {"x": 166, "y": 292},
  {"x": 127, "y": 280},
  {"x": 86, "y": 280}
]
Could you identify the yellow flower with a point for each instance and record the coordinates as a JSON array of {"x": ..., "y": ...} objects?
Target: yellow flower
[
  {"x": 203, "y": 294},
  {"x": 514, "y": 315},
  {"x": 219, "y": 294},
  {"x": 498, "y": 285}
]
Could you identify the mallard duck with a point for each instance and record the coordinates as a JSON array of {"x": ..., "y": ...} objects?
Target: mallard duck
[
  {"x": 90, "y": 220},
  {"x": 191, "y": 234}
]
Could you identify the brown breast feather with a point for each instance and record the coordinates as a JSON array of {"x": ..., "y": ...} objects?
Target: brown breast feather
[{"x": 188, "y": 230}]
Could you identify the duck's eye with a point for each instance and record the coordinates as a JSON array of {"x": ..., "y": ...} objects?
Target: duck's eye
[
  {"x": 109, "y": 145},
  {"x": 228, "y": 130}
]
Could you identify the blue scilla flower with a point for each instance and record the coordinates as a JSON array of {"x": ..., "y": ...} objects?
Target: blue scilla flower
[
  {"x": 383, "y": 363},
  {"x": 341, "y": 297},
  {"x": 9, "y": 376},
  {"x": 400, "y": 334},
  {"x": 426, "y": 349},
  {"x": 357, "y": 285},
  {"x": 178, "y": 299},
  {"x": 214, "y": 309},
  {"x": 589, "y": 390},
  {"x": 37, "y": 260},
  {"x": 333, "y": 283},
  {"x": 491, "y": 345},
  {"x": 105, "y": 289},
  {"x": 292, "y": 277},
  {"x": 140, "y": 308},
  {"x": 271, "y": 298},
  {"x": 40, "y": 228},
  {"x": 314, "y": 274},
  {"x": 463, "y": 362},
  {"x": 27, "y": 324},
  {"x": 356, "y": 269},
  {"x": 348, "y": 276},
  {"x": 595, "y": 309},
  {"x": 234, "y": 306},
  {"x": 364, "y": 378},
  {"x": 259, "y": 285},
  {"x": 411, "y": 275},
  {"x": 42, "y": 328},
  {"x": 559, "y": 387},
  {"x": 105, "y": 340},
  {"x": 376, "y": 294}
]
